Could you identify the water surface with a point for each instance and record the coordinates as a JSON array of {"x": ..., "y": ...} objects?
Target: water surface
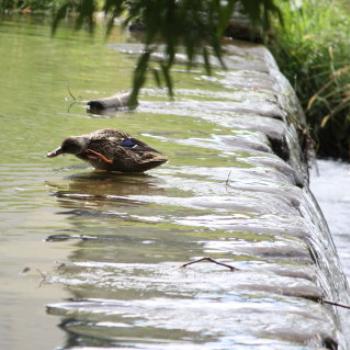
[
  {"x": 95, "y": 259},
  {"x": 330, "y": 183}
]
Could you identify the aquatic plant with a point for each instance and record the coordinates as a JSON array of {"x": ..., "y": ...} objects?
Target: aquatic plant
[
  {"x": 313, "y": 50},
  {"x": 310, "y": 43},
  {"x": 28, "y": 5},
  {"x": 193, "y": 26}
]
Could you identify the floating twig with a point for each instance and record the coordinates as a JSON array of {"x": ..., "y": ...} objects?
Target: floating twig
[
  {"x": 228, "y": 180},
  {"x": 335, "y": 304},
  {"x": 75, "y": 99},
  {"x": 72, "y": 104},
  {"x": 71, "y": 94},
  {"x": 43, "y": 277},
  {"x": 232, "y": 268}
]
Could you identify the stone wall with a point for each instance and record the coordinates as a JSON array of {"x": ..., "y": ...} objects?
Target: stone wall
[{"x": 241, "y": 198}]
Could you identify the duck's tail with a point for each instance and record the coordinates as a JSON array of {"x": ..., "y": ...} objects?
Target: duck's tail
[{"x": 153, "y": 162}]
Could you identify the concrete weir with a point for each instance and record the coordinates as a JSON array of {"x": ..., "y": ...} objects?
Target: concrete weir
[{"x": 249, "y": 207}]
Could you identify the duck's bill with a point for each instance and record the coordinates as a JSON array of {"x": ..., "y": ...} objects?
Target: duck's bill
[{"x": 55, "y": 153}]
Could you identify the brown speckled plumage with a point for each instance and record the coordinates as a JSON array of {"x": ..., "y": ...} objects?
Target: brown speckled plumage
[{"x": 112, "y": 150}]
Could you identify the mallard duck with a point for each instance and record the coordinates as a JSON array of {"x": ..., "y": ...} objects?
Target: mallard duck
[{"x": 111, "y": 150}]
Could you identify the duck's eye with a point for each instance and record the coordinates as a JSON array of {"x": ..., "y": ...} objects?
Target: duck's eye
[{"x": 129, "y": 143}]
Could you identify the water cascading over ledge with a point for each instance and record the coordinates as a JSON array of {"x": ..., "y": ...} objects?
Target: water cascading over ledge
[{"x": 241, "y": 197}]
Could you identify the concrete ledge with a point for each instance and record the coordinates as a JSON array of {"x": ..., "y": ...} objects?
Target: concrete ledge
[{"x": 255, "y": 212}]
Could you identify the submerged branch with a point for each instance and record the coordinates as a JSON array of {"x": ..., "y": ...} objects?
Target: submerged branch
[
  {"x": 232, "y": 268},
  {"x": 75, "y": 100},
  {"x": 227, "y": 183},
  {"x": 333, "y": 303}
]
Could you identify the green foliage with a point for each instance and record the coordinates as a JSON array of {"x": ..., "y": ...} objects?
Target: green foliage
[
  {"x": 311, "y": 44},
  {"x": 195, "y": 26},
  {"x": 30, "y": 5},
  {"x": 313, "y": 51},
  {"x": 7, "y": 5}
]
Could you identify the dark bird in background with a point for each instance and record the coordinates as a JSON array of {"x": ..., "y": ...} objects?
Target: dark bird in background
[{"x": 111, "y": 150}]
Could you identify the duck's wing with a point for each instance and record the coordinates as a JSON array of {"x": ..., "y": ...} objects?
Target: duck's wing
[
  {"x": 136, "y": 145},
  {"x": 106, "y": 141},
  {"x": 140, "y": 156},
  {"x": 135, "y": 160},
  {"x": 107, "y": 146},
  {"x": 112, "y": 134},
  {"x": 114, "y": 150}
]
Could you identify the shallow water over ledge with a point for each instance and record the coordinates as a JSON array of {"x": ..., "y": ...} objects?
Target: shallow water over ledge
[{"x": 110, "y": 271}]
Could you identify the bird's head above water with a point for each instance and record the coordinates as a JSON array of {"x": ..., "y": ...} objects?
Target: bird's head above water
[{"x": 71, "y": 145}]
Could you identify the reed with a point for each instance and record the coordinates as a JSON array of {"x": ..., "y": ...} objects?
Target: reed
[{"x": 313, "y": 51}]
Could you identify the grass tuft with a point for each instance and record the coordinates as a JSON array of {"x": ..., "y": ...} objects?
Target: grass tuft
[{"x": 313, "y": 51}]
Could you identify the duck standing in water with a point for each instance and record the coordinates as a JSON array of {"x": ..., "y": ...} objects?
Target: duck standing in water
[{"x": 111, "y": 150}]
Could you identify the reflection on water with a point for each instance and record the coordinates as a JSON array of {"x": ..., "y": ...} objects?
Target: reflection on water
[
  {"x": 107, "y": 249},
  {"x": 100, "y": 187}
]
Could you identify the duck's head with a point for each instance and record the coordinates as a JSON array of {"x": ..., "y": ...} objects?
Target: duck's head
[{"x": 71, "y": 145}]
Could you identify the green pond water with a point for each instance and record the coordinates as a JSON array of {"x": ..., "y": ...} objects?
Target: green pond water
[
  {"x": 36, "y": 72},
  {"x": 116, "y": 282}
]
